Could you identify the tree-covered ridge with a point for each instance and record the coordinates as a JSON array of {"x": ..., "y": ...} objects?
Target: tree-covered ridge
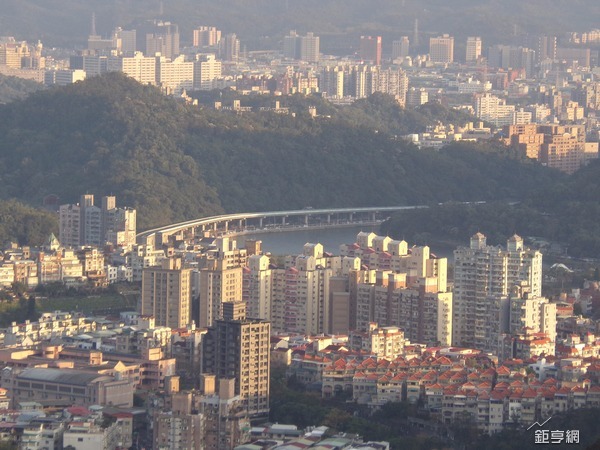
[
  {"x": 173, "y": 162},
  {"x": 109, "y": 134},
  {"x": 25, "y": 225},
  {"x": 380, "y": 112},
  {"x": 566, "y": 211},
  {"x": 13, "y": 88}
]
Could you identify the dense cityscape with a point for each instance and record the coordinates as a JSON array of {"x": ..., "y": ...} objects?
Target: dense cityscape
[{"x": 121, "y": 328}]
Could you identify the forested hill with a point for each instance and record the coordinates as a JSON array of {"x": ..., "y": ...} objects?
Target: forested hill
[
  {"x": 173, "y": 162},
  {"x": 13, "y": 88}
]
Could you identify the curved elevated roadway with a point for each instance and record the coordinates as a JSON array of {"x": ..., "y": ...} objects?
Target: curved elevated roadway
[{"x": 269, "y": 221}]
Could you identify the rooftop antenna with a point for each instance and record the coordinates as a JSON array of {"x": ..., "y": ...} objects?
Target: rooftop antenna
[
  {"x": 93, "y": 24},
  {"x": 162, "y": 9}
]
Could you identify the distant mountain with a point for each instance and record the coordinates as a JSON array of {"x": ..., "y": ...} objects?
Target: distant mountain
[
  {"x": 112, "y": 135},
  {"x": 262, "y": 23}
]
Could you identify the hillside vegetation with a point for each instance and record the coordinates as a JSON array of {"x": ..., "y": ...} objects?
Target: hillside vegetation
[
  {"x": 565, "y": 211},
  {"x": 25, "y": 225},
  {"x": 173, "y": 162},
  {"x": 13, "y": 88}
]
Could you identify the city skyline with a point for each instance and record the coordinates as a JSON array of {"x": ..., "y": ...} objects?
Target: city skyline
[{"x": 468, "y": 305}]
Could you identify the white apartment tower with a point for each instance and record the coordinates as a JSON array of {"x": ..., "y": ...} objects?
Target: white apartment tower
[
  {"x": 493, "y": 109},
  {"x": 532, "y": 312},
  {"x": 139, "y": 67},
  {"x": 175, "y": 76},
  {"x": 258, "y": 287},
  {"x": 207, "y": 69},
  {"x": 483, "y": 274}
]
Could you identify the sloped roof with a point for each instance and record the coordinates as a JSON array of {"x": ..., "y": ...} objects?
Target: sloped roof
[{"x": 62, "y": 376}]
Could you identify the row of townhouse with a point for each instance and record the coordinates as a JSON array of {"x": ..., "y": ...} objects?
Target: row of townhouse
[
  {"x": 459, "y": 390},
  {"x": 49, "y": 327},
  {"x": 491, "y": 410}
]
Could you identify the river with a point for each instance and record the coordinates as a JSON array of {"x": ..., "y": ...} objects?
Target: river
[{"x": 291, "y": 242}]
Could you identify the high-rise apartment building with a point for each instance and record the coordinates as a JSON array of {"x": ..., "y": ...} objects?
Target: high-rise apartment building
[
  {"x": 69, "y": 224},
  {"x": 226, "y": 423},
  {"x": 304, "y": 48},
  {"x": 482, "y": 275},
  {"x": 563, "y": 147},
  {"x": 12, "y": 53},
  {"x": 546, "y": 48},
  {"x": 139, "y": 67},
  {"x": 258, "y": 287},
  {"x": 166, "y": 293},
  {"x": 494, "y": 110},
  {"x": 217, "y": 285},
  {"x": 525, "y": 139},
  {"x": 301, "y": 299},
  {"x": 239, "y": 347},
  {"x": 413, "y": 297},
  {"x": 218, "y": 280},
  {"x": 417, "y": 96},
  {"x": 331, "y": 81},
  {"x": 301, "y": 305},
  {"x": 385, "y": 342},
  {"x": 207, "y": 69},
  {"x": 512, "y": 57},
  {"x": 85, "y": 224},
  {"x": 400, "y": 48},
  {"x": 205, "y": 36},
  {"x": 179, "y": 427},
  {"x": 229, "y": 48},
  {"x": 441, "y": 49},
  {"x": 360, "y": 81},
  {"x": 473, "y": 48},
  {"x": 158, "y": 37},
  {"x": 126, "y": 41},
  {"x": 370, "y": 49},
  {"x": 291, "y": 45},
  {"x": 177, "y": 75},
  {"x": 518, "y": 320},
  {"x": 309, "y": 48},
  {"x": 531, "y": 312}
]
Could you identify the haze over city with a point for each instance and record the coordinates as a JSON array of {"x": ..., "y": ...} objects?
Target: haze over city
[{"x": 280, "y": 225}]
